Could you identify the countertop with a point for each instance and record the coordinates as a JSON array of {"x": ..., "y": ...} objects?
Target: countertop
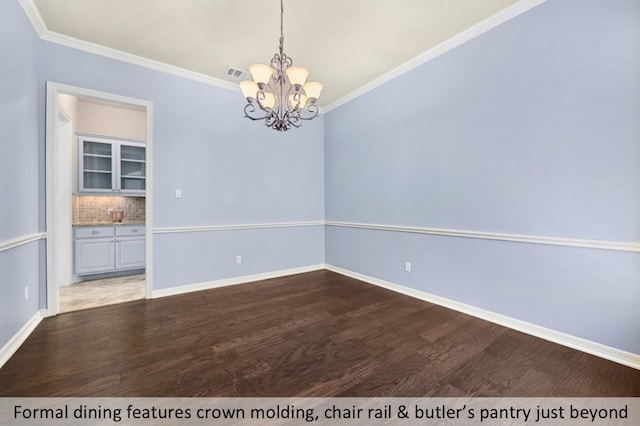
[{"x": 107, "y": 223}]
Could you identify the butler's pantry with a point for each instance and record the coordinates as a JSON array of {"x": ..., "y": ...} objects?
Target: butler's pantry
[{"x": 107, "y": 176}]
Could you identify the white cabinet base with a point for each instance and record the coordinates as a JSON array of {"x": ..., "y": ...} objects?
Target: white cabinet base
[
  {"x": 108, "y": 249},
  {"x": 130, "y": 253},
  {"x": 94, "y": 255}
]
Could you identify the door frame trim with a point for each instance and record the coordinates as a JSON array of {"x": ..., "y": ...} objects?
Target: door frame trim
[{"x": 52, "y": 215}]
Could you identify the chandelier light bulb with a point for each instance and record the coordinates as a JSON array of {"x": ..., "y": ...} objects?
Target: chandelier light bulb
[
  {"x": 261, "y": 73},
  {"x": 297, "y": 75},
  {"x": 249, "y": 89},
  {"x": 313, "y": 90}
]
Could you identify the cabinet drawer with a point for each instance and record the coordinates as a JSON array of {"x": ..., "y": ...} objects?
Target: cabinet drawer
[
  {"x": 129, "y": 230},
  {"x": 93, "y": 231}
]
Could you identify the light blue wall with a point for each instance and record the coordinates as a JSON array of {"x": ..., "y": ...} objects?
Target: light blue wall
[
  {"x": 532, "y": 128},
  {"x": 19, "y": 268},
  {"x": 586, "y": 293},
  {"x": 19, "y": 124},
  {"x": 230, "y": 171},
  {"x": 188, "y": 258},
  {"x": 19, "y": 168}
]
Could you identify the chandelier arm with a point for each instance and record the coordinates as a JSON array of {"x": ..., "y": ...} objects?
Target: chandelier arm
[
  {"x": 295, "y": 121},
  {"x": 295, "y": 101},
  {"x": 270, "y": 119},
  {"x": 250, "y": 109},
  {"x": 313, "y": 109},
  {"x": 260, "y": 97}
]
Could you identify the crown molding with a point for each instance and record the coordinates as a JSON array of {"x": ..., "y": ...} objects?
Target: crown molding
[
  {"x": 43, "y": 32},
  {"x": 119, "y": 55},
  {"x": 34, "y": 16},
  {"x": 447, "y": 45}
]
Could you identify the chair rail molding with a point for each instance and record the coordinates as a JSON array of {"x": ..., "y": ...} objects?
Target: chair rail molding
[
  {"x": 211, "y": 228},
  {"x": 629, "y": 246},
  {"x": 22, "y": 240}
]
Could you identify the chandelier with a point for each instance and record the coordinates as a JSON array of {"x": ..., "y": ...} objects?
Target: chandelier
[{"x": 279, "y": 93}]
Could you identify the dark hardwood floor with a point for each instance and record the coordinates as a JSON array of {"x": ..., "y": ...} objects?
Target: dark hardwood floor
[{"x": 314, "y": 334}]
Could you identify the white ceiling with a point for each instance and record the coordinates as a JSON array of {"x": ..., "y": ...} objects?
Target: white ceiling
[{"x": 345, "y": 43}]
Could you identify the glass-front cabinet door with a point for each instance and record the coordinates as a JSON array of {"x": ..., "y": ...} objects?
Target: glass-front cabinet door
[
  {"x": 132, "y": 167},
  {"x": 111, "y": 166},
  {"x": 96, "y": 166}
]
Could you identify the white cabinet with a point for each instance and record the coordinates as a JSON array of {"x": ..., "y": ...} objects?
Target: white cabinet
[
  {"x": 111, "y": 166},
  {"x": 103, "y": 249},
  {"x": 129, "y": 247},
  {"x": 94, "y": 255}
]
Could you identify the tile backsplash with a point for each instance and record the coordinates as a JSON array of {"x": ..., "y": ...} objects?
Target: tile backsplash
[{"x": 93, "y": 208}]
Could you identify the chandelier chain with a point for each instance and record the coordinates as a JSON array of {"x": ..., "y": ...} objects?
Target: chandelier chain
[{"x": 281, "y": 26}]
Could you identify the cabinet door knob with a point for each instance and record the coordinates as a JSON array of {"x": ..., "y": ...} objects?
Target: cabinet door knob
[{"x": 95, "y": 232}]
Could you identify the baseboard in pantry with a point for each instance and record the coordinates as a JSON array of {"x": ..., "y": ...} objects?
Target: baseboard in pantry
[
  {"x": 188, "y": 288},
  {"x": 19, "y": 338},
  {"x": 612, "y": 354}
]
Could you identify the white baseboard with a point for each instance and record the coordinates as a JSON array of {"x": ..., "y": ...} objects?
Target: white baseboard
[
  {"x": 616, "y": 355},
  {"x": 173, "y": 291},
  {"x": 18, "y": 339},
  {"x": 612, "y": 354}
]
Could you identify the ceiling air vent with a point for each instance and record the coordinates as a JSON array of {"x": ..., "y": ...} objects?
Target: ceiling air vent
[{"x": 237, "y": 73}]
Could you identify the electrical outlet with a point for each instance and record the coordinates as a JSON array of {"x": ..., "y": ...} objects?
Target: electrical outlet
[
  {"x": 26, "y": 293},
  {"x": 238, "y": 259},
  {"x": 407, "y": 266},
  {"x": 178, "y": 193}
]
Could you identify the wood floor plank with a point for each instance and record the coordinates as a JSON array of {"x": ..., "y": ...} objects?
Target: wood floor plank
[
  {"x": 312, "y": 334},
  {"x": 487, "y": 375}
]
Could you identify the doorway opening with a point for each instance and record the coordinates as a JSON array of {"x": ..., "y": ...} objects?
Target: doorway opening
[{"x": 99, "y": 196}]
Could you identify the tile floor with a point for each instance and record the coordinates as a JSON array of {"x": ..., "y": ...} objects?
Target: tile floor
[{"x": 107, "y": 291}]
